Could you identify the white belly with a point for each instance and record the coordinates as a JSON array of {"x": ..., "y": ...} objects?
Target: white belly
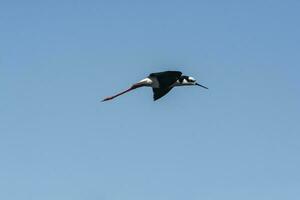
[
  {"x": 154, "y": 82},
  {"x": 149, "y": 82}
]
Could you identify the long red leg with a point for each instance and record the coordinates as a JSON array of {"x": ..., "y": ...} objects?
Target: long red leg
[{"x": 128, "y": 90}]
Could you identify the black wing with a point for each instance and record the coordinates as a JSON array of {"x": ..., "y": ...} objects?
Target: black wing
[
  {"x": 167, "y": 78},
  {"x": 160, "y": 92}
]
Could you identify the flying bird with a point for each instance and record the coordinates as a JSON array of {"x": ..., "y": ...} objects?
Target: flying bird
[{"x": 161, "y": 83}]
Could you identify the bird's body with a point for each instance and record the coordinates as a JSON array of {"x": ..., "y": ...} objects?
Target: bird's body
[{"x": 161, "y": 83}]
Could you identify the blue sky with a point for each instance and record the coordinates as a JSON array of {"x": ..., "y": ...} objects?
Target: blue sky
[{"x": 238, "y": 140}]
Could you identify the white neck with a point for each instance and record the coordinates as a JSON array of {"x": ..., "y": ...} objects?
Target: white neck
[{"x": 183, "y": 83}]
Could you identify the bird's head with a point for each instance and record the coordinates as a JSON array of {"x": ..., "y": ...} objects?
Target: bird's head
[{"x": 188, "y": 80}]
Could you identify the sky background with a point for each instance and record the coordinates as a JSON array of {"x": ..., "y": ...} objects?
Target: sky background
[{"x": 238, "y": 140}]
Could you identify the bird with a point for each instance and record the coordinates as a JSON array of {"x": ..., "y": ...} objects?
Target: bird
[{"x": 161, "y": 83}]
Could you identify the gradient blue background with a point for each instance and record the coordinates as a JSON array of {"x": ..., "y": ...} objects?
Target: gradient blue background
[{"x": 238, "y": 140}]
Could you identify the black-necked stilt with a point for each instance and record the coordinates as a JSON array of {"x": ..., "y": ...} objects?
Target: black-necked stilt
[{"x": 161, "y": 83}]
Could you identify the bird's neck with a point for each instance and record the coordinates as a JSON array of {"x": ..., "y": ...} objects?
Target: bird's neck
[{"x": 181, "y": 83}]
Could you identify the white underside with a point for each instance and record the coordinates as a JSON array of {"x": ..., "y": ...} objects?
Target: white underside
[
  {"x": 153, "y": 82},
  {"x": 150, "y": 82}
]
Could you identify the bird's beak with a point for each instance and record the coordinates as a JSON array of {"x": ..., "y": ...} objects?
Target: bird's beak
[{"x": 201, "y": 85}]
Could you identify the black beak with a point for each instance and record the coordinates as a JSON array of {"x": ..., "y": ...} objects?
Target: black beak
[{"x": 201, "y": 85}]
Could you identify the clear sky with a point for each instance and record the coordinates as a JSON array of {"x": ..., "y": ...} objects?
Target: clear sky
[{"x": 237, "y": 140}]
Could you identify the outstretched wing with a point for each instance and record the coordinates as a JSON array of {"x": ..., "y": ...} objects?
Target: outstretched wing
[
  {"x": 160, "y": 92},
  {"x": 167, "y": 78}
]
